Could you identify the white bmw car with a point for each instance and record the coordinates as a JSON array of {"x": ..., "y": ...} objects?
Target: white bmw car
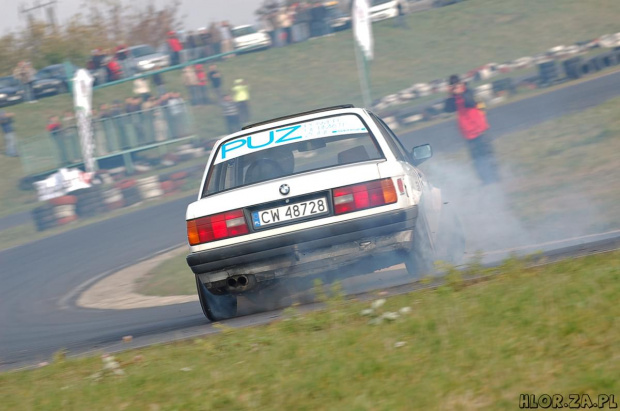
[{"x": 303, "y": 194}]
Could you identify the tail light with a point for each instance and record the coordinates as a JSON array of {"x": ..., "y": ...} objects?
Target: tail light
[
  {"x": 362, "y": 196},
  {"x": 216, "y": 227}
]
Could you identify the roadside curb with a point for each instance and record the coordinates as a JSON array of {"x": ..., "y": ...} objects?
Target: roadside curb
[{"x": 117, "y": 291}]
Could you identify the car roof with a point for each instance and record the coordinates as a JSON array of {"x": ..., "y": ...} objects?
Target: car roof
[
  {"x": 303, "y": 113},
  {"x": 302, "y": 116}
]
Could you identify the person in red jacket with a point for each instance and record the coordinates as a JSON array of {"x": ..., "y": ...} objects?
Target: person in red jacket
[
  {"x": 114, "y": 69},
  {"x": 175, "y": 47},
  {"x": 472, "y": 122},
  {"x": 201, "y": 75}
]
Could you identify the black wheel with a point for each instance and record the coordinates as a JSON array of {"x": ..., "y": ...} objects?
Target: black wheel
[
  {"x": 216, "y": 307},
  {"x": 420, "y": 258}
]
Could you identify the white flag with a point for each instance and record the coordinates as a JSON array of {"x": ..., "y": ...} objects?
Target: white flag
[
  {"x": 82, "y": 100},
  {"x": 362, "y": 29}
]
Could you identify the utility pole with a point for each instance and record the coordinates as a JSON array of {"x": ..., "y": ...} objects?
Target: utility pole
[{"x": 50, "y": 11}]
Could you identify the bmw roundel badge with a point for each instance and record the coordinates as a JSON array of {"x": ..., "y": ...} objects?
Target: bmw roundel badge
[{"x": 285, "y": 189}]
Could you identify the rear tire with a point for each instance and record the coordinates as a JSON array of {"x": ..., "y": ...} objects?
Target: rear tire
[{"x": 216, "y": 307}]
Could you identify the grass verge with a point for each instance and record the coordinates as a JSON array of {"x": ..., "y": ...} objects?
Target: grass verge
[
  {"x": 549, "y": 329},
  {"x": 172, "y": 277}
]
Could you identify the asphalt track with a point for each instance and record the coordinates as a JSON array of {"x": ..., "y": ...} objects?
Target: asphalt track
[{"x": 40, "y": 281}]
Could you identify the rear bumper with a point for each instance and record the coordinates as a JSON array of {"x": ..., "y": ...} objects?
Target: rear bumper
[{"x": 286, "y": 250}]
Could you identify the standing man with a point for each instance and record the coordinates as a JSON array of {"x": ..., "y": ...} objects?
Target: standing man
[
  {"x": 175, "y": 47},
  {"x": 473, "y": 125},
  {"x": 227, "y": 39},
  {"x": 400, "y": 19},
  {"x": 25, "y": 74},
  {"x": 215, "y": 78},
  {"x": 201, "y": 76},
  {"x": 190, "y": 80},
  {"x": 231, "y": 114},
  {"x": 241, "y": 96},
  {"x": 6, "y": 121}
]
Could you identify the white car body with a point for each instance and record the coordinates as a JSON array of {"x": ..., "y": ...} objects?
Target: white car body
[
  {"x": 248, "y": 38},
  {"x": 382, "y": 9},
  {"x": 373, "y": 167}
]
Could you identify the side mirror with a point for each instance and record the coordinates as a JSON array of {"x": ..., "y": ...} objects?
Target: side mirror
[{"x": 421, "y": 153}]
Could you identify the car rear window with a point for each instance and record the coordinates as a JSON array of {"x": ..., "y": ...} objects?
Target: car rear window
[{"x": 289, "y": 150}]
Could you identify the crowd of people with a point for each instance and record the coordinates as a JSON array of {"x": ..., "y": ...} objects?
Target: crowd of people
[
  {"x": 121, "y": 125},
  {"x": 152, "y": 114}
]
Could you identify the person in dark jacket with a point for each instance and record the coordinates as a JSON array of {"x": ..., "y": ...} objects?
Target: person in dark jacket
[
  {"x": 6, "y": 122},
  {"x": 230, "y": 110},
  {"x": 474, "y": 127},
  {"x": 215, "y": 78}
]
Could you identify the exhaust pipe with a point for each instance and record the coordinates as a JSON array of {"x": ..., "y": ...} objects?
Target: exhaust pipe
[{"x": 240, "y": 283}]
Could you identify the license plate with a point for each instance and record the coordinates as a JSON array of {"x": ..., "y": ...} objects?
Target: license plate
[
  {"x": 290, "y": 212},
  {"x": 13, "y": 98},
  {"x": 49, "y": 90}
]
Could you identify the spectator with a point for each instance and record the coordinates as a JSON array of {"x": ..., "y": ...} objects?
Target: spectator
[
  {"x": 227, "y": 39},
  {"x": 231, "y": 114},
  {"x": 174, "y": 47},
  {"x": 207, "y": 47},
  {"x": 99, "y": 72},
  {"x": 241, "y": 96},
  {"x": 25, "y": 74},
  {"x": 216, "y": 38},
  {"x": 141, "y": 88},
  {"x": 160, "y": 85},
  {"x": 201, "y": 75},
  {"x": 215, "y": 78},
  {"x": 474, "y": 128},
  {"x": 176, "y": 108},
  {"x": 190, "y": 80},
  {"x": 190, "y": 45},
  {"x": 54, "y": 127},
  {"x": 6, "y": 121},
  {"x": 114, "y": 69},
  {"x": 136, "y": 118},
  {"x": 401, "y": 21},
  {"x": 123, "y": 56}
]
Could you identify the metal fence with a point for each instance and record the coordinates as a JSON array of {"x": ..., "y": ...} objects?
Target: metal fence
[{"x": 114, "y": 135}]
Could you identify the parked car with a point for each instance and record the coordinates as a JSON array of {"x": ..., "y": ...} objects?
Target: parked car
[
  {"x": 385, "y": 9},
  {"x": 249, "y": 39},
  {"x": 56, "y": 76},
  {"x": 338, "y": 19},
  {"x": 300, "y": 195},
  {"x": 11, "y": 91},
  {"x": 146, "y": 58}
]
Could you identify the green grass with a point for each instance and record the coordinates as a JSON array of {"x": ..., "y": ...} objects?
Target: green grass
[
  {"x": 551, "y": 329},
  {"x": 564, "y": 170},
  {"x": 323, "y": 72},
  {"x": 172, "y": 277}
]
